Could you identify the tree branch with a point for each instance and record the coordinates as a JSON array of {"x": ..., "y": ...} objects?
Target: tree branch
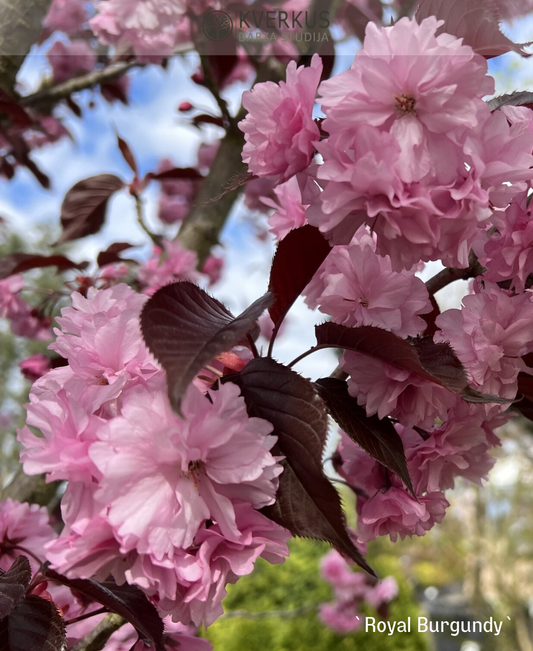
[
  {"x": 53, "y": 94},
  {"x": 98, "y": 637},
  {"x": 20, "y": 25},
  {"x": 451, "y": 274}
]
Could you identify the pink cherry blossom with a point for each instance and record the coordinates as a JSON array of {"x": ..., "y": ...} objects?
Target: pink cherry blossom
[
  {"x": 340, "y": 617},
  {"x": 212, "y": 268},
  {"x": 60, "y": 411},
  {"x": 500, "y": 154},
  {"x": 289, "y": 210},
  {"x": 388, "y": 390},
  {"x": 279, "y": 129},
  {"x": 171, "y": 264},
  {"x": 172, "y": 210},
  {"x": 360, "y": 288},
  {"x": 383, "y": 592},
  {"x": 26, "y": 525},
  {"x": 401, "y": 81},
  {"x": 11, "y": 304},
  {"x": 137, "y": 450},
  {"x": 490, "y": 334},
  {"x": 149, "y": 27},
  {"x": 393, "y": 511},
  {"x": 70, "y": 60},
  {"x": 508, "y": 253},
  {"x": 101, "y": 338},
  {"x": 362, "y": 181},
  {"x": 66, "y": 16},
  {"x": 458, "y": 448}
]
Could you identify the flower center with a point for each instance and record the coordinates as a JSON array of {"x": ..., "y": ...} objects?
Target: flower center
[{"x": 405, "y": 104}]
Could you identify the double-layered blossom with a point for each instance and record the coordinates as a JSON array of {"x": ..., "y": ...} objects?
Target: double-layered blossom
[
  {"x": 357, "y": 287},
  {"x": 163, "y": 477},
  {"x": 508, "y": 252},
  {"x": 279, "y": 129},
  {"x": 394, "y": 512},
  {"x": 149, "y": 26},
  {"x": 490, "y": 334},
  {"x": 26, "y": 526},
  {"x": 409, "y": 151},
  {"x": 387, "y": 390},
  {"x": 457, "y": 448}
]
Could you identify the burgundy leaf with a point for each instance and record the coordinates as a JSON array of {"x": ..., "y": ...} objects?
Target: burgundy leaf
[
  {"x": 114, "y": 90},
  {"x": 175, "y": 173},
  {"x": 374, "y": 342},
  {"x": 442, "y": 362},
  {"x": 205, "y": 118},
  {"x": 11, "y": 107},
  {"x": 297, "y": 259},
  {"x": 375, "y": 436},
  {"x": 19, "y": 262},
  {"x": 185, "y": 329},
  {"x": 84, "y": 207},
  {"x": 477, "y": 22},
  {"x": 13, "y": 585},
  {"x": 127, "y": 154},
  {"x": 34, "y": 625},
  {"x": 111, "y": 254},
  {"x": 525, "y": 395},
  {"x": 307, "y": 504},
  {"x": 519, "y": 98},
  {"x": 431, "y": 317},
  {"x": 126, "y": 600}
]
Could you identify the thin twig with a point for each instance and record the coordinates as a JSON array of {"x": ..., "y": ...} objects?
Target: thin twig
[
  {"x": 83, "y": 82},
  {"x": 139, "y": 207}
]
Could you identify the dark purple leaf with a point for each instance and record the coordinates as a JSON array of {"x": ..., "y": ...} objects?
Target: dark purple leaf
[
  {"x": 374, "y": 342},
  {"x": 13, "y": 585},
  {"x": 525, "y": 395},
  {"x": 207, "y": 119},
  {"x": 19, "y": 262},
  {"x": 127, "y": 154},
  {"x": 431, "y": 317},
  {"x": 114, "y": 90},
  {"x": 433, "y": 362},
  {"x": 519, "y": 98},
  {"x": 34, "y": 625},
  {"x": 9, "y": 106},
  {"x": 188, "y": 173},
  {"x": 185, "y": 329},
  {"x": 307, "y": 504},
  {"x": 375, "y": 436},
  {"x": 84, "y": 207},
  {"x": 297, "y": 259},
  {"x": 111, "y": 254},
  {"x": 477, "y": 22},
  {"x": 128, "y": 601},
  {"x": 442, "y": 362}
]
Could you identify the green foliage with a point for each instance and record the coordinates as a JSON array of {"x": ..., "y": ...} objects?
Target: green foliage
[{"x": 295, "y": 585}]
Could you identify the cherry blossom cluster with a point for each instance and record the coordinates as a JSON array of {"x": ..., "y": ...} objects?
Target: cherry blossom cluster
[
  {"x": 25, "y": 321},
  {"x": 409, "y": 165},
  {"x": 351, "y": 589},
  {"x": 167, "y": 503},
  {"x": 26, "y": 530}
]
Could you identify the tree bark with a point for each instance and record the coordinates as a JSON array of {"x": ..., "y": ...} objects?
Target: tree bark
[{"x": 20, "y": 24}]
